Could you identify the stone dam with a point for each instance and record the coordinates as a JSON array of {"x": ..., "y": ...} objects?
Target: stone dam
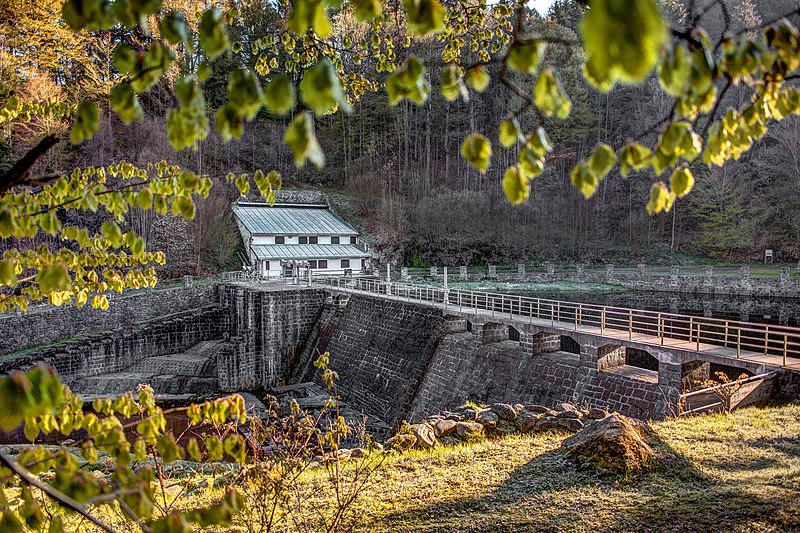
[{"x": 396, "y": 360}]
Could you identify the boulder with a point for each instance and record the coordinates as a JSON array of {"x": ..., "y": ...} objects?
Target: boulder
[
  {"x": 466, "y": 429},
  {"x": 488, "y": 419},
  {"x": 518, "y": 407},
  {"x": 527, "y": 420},
  {"x": 567, "y": 408},
  {"x": 536, "y": 408},
  {"x": 444, "y": 427},
  {"x": 504, "y": 410},
  {"x": 425, "y": 436},
  {"x": 572, "y": 424},
  {"x": 470, "y": 414},
  {"x": 547, "y": 422},
  {"x": 613, "y": 443},
  {"x": 358, "y": 452},
  {"x": 597, "y": 414},
  {"x": 402, "y": 441},
  {"x": 568, "y": 414}
]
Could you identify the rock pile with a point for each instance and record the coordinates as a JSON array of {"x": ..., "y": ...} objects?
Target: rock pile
[
  {"x": 614, "y": 443},
  {"x": 473, "y": 422}
]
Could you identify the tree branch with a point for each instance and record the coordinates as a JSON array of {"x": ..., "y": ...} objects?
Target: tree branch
[
  {"x": 20, "y": 173},
  {"x": 55, "y": 494}
]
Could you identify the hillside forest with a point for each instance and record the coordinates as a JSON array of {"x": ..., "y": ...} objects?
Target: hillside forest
[{"x": 397, "y": 171}]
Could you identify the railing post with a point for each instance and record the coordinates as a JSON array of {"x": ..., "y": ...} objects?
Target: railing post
[
  {"x": 698, "y": 336},
  {"x": 738, "y": 342},
  {"x": 726, "y": 333},
  {"x": 766, "y": 340},
  {"x": 558, "y": 310},
  {"x": 661, "y": 328},
  {"x": 630, "y": 324},
  {"x": 691, "y": 328},
  {"x": 785, "y": 343},
  {"x": 576, "y": 318},
  {"x": 602, "y": 319}
]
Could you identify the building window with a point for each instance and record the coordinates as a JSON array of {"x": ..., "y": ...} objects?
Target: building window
[
  {"x": 323, "y": 263},
  {"x": 313, "y": 240},
  {"x": 266, "y": 267},
  {"x": 363, "y": 263},
  {"x": 335, "y": 240},
  {"x": 345, "y": 263},
  {"x": 312, "y": 263},
  {"x": 280, "y": 239},
  {"x": 353, "y": 240},
  {"x": 302, "y": 240}
]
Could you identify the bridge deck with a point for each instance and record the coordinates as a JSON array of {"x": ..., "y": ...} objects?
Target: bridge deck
[{"x": 610, "y": 333}]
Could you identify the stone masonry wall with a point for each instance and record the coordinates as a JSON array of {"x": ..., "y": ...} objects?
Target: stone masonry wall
[
  {"x": 381, "y": 350},
  {"x": 113, "y": 351},
  {"x": 46, "y": 324},
  {"x": 267, "y": 331},
  {"x": 463, "y": 368}
]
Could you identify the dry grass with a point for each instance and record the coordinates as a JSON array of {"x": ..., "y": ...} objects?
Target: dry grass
[{"x": 715, "y": 473}]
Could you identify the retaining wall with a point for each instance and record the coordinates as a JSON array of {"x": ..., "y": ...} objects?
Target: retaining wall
[{"x": 46, "y": 324}]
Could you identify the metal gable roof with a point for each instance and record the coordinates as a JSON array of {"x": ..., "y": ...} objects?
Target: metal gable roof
[
  {"x": 307, "y": 251},
  {"x": 268, "y": 220}
]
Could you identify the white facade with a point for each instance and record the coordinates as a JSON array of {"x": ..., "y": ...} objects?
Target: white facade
[{"x": 312, "y": 234}]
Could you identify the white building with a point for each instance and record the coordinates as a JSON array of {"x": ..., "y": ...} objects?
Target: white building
[{"x": 299, "y": 232}]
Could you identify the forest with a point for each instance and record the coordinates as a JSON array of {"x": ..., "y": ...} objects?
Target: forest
[{"x": 397, "y": 170}]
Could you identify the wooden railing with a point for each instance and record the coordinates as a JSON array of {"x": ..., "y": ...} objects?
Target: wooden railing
[{"x": 649, "y": 327}]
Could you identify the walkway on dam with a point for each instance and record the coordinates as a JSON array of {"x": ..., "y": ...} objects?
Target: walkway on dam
[{"x": 764, "y": 344}]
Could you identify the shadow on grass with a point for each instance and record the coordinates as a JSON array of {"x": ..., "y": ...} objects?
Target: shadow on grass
[{"x": 555, "y": 493}]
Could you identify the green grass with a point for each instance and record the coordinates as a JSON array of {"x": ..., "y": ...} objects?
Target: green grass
[{"x": 734, "y": 473}]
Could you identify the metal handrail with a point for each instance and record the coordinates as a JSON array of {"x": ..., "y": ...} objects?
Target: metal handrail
[{"x": 698, "y": 332}]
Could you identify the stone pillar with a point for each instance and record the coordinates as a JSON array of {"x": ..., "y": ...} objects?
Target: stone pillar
[
  {"x": 640, "y": 270},
  {"x": 674, "y": 272},
  {"x": 708, "y": 275},
  {"x": 521, "y": 270},
  {"x": 455, "y": 324},
  {"x": 551, "y": 269},
  {"x": 744, "y": 272},
  {"x": 539, "y": 343},
  {"x": 609, "y": 272},
  {"x": 670, "y": 381},
  {"x": 187, "y": 282},
  {"x": 490, "y": 332},
  {"x": 609, "y": 357},
  {"x": 587, "y": 368},
  {"x": 579, "y": 271},
  {"x": 785, "y": 279},
  {"x": 404, "y": 274},
  {"x": 462, "y": 273},
  {"x": 434, "y": 271},
  {"x": 492, "y": 271}
]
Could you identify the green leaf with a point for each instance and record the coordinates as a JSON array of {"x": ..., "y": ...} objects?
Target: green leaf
[
  {"x": 244, "y": 93},
  {"x": 125, "y": 103},
  {"x": 539, "y": 142},
  {"x": 367, "y": 9},
  {"x": 280, "y": 95},
  {"x": 453, "y": 83},
  {"x": 86, "y": 123},
  {"x": 168, "y": 449},
  {"x": 53, "y": 278},
  {"x": 516, "y": 186},
  {"x": 424, "y": 16},
  {"x": 674, "y": 71},
  {"x": 302, "y": 141},
  {"x": 681, "y": 181},
  {"x": 8, "y": 276},
  {"x": 213, "y": 33},
  {"x": 524, "y": 56},
  {"x": 229, "y": 124},
  {"x": 633, "y": 156},
  {"x": 477, "y": 150},
  {"x": 510, "y": 132},
  {"x": 660, "y": 198},
  {"x": 321, "y": 90},
  {"x": 310, "y": 14},
  {"x": 602, "y": 161},
  {"x": 111, "y": 231},
  {"x": 530, "y": 162},
  {"x": 189, "y": 124},
  {"x": 408, "y": 81},
  {"x": 622, "y": 40},
  {"x": 550, "y": 97},
  {"x": 583, "y": 180},
  {"x": 478, "y": 78},
  {"x": 173, "y": 28}
]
